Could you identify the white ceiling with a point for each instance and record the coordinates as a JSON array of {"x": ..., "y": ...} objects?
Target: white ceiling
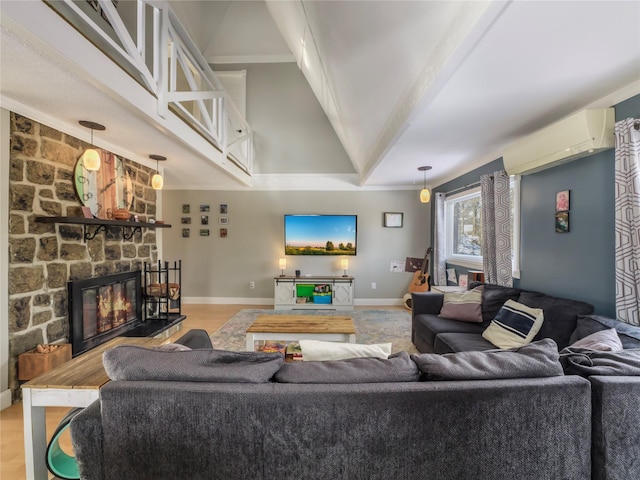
[{"x": 404, "y": 84}]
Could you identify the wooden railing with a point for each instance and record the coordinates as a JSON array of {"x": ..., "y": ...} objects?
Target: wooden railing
[{"x": 161, "y": 56}]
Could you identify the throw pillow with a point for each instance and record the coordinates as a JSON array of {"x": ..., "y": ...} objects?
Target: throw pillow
[
  {"x": 128, "y": 362},
  {"x": 465, "y": 306},
  {"x": 604, "y": 341},
  {"x": 397, "y": 368},
  {"x": 587, "y": 324},
  {"x": 538, "y": 359},
  {"x": 514, "y": 326},
  {"x": 316, "y": 350}
]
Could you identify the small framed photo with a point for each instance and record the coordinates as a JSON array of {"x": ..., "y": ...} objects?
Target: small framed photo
[
  {"x": 562, "y": 201},
  {"x": 562, "y": 222},
  {"x": 185, "y": 220},
  {"x": 223, "y": 208},
  {"x": 204, "y": 232},
  {"x": 186, "y": 208},
  {"x": 185, "y": 233},
  {"x": 393, "y": 219},
  {"x": 204, "y": 219},
  {"x": 223, "y": 233},
  {"x": 223, "y": 220},
  {"x": 205, "y": 208}
]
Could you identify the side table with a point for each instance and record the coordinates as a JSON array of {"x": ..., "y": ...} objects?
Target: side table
[{"x": 75, "y": 383}]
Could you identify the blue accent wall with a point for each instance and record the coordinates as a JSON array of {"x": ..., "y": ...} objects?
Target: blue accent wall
[{"x": 579, "y": 264}]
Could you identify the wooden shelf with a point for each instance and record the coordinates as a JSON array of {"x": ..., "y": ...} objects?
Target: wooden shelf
[{"x": 102, "y": 224}]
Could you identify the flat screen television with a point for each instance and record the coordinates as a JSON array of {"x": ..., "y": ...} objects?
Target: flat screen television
[{"x": 320, "y": 234}]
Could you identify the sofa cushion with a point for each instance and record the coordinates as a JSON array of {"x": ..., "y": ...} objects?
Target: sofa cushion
[
  {"x": 604, "y": 340},
  {"x": 463, "y": 306},
  {"x": 396, "y": 368},
  {"x": 128, "y": 362},
  {"x": 560, "y": 315},
  {"x": 432, "y": 325},
  {"x": 461, "y": 342},
  {"x": 587, "y": 324},
  {"x": 538, "y": 359},
  {"x": 316, "y": 350},
  {"x": 493, "y": 297},
  {"x": 514, "y": 326}
]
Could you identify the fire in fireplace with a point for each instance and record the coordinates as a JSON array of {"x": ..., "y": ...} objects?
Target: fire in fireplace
[{"x": 102, "y": 308}]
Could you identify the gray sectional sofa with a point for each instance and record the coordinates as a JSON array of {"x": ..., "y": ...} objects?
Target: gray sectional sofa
[
  {"x": 209, "y": 414},
  {"x": 431, "y": 333}
]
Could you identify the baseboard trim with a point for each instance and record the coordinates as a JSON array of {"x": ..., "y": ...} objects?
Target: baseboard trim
[
  {"x": 269, "y": 301},
  {"x": 5, "y": 399}
]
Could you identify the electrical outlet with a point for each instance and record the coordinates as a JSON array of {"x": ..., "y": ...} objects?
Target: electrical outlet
[
  {"x": 373, "y": 285},
  {"x": 252, "y": 285}
]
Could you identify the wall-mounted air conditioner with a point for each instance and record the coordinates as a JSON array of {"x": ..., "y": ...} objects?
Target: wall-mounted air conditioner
[{"x": 576, "y": 136}]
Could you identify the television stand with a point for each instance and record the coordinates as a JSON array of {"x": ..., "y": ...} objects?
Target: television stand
[{"x": 313, "y": 293}]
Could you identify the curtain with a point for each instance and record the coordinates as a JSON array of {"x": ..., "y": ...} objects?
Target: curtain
[
  {"x": 627, "y": 221},
  {"x": 496, "y": 228},
  {"x": 439, "y": 254}
]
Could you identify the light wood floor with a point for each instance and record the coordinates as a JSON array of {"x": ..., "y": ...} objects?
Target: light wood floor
[{"x": 208, "y": 317}]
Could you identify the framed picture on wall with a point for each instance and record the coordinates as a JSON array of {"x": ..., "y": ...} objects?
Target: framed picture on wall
[
  {"x": 186, "y": 208},
  {"x": 185, "y": 233},
  {"x": 562, "y": 201},
  {"x": 562, "y": 222},
  {"x": 393, "y": 219}
]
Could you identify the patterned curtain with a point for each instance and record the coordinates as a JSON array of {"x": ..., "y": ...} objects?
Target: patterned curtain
[
  {"x": 496, "y": 228},
  {"x": 627, "y": 221},
  {"x": 439, "y": 254}
]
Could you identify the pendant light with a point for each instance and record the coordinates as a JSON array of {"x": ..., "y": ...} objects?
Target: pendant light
[
  {"x": 157, "y": 181},
  {"x": 425, "y": 194},
  {"x": 91, "y": 157}
]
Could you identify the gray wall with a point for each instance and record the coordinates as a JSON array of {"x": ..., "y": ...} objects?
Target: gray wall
[
  {"x": 219, "y": 269},
  {"x": 291, "y": 132}
]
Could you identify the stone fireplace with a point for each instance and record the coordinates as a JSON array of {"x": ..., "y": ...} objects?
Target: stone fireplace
[{"x": 44, "y": 257}]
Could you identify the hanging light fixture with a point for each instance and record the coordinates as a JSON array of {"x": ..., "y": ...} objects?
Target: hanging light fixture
[
  {"x": 157, "y": 181},
  {"x": 425, "y": 194},
  {"x": 91, "y": 157}
]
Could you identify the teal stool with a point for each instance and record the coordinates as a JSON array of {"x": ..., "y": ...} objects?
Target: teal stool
[{"x": 58, "y": 462}]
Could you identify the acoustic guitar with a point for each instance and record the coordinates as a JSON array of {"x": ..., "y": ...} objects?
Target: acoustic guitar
[{"x": 420, "y": 281}]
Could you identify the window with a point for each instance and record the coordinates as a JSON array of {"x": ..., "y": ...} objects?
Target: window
[
  {"x": 463, "y": 228},
  {"x": 463, "y": 234}
]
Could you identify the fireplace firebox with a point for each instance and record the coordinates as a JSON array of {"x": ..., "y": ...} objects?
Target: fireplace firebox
[{"x": 102, "y": 308}]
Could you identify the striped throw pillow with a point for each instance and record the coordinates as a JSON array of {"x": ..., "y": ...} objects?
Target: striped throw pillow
[{"x": 515, "y": 325}]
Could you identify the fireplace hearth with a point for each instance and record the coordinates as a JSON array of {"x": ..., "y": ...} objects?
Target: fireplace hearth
[{"x": 102, "y": 308}]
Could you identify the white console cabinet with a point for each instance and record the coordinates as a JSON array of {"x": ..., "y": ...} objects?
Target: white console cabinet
[{"x": 317, "y": 292}]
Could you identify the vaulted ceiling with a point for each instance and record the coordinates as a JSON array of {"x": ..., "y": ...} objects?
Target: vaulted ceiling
[{"x": 403, "y": 83}]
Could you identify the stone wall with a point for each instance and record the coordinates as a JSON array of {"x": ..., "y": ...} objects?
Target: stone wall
[{"x": 44, "y": 257}]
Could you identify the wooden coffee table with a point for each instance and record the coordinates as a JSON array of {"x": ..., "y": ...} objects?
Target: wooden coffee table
[{"x": 301, "y": 327}]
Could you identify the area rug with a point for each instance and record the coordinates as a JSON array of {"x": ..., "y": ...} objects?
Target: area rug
[{"x": 372, "y": 326}]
